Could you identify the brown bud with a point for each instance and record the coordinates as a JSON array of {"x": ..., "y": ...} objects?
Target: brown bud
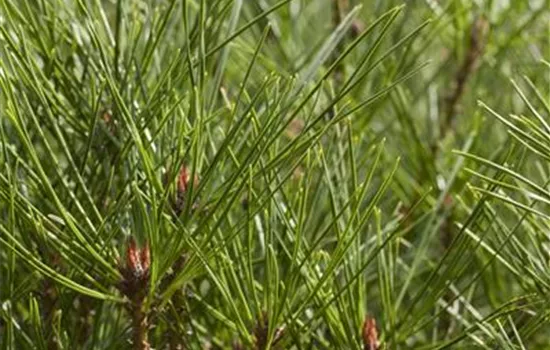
[
  {"x": 134, "y": 285},
  {"x": 294, "y": 129},
  {"x": 135, "y": 273},
  {"x": 184, "y": 179},
  {"x": 133, "y": 260},
  {"x": 184, "y": 183},
  {"x": 370, "y": 335},
  {"x": 146, "y": 257},
  {"x": 107, "y": 116},
  {"x": 108, "y": 120}
]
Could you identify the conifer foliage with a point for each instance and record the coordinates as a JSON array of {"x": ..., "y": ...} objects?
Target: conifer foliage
[{"x": 274, "y": 174}]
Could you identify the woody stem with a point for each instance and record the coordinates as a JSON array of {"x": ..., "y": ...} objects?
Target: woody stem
[{"x": 139, "y": 325}]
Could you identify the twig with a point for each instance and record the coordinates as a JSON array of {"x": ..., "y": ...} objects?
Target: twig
[{"x": 478, "y": 37}]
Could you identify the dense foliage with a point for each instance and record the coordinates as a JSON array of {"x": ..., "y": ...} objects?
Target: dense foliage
[{"x": 295, "y": 174}]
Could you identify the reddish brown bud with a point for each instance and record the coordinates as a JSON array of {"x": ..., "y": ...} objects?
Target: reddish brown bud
[
  {"x": 135, "y": 272},
  {"x": 370, "y": 335},
  {"x": 145, "y": 257},
  {"x": 132, "y": 256},
  {"x": 183, "y": 185},
  {"x": 295, "y": 127},
  {"x": 184, "y": 179},
  {"x": 107, "y": 116},
  {"x": 108, "y": 120},
  {"x": 134, "y": 285}
]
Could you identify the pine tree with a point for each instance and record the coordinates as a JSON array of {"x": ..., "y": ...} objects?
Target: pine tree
[{"x": 274, "y": 174}]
